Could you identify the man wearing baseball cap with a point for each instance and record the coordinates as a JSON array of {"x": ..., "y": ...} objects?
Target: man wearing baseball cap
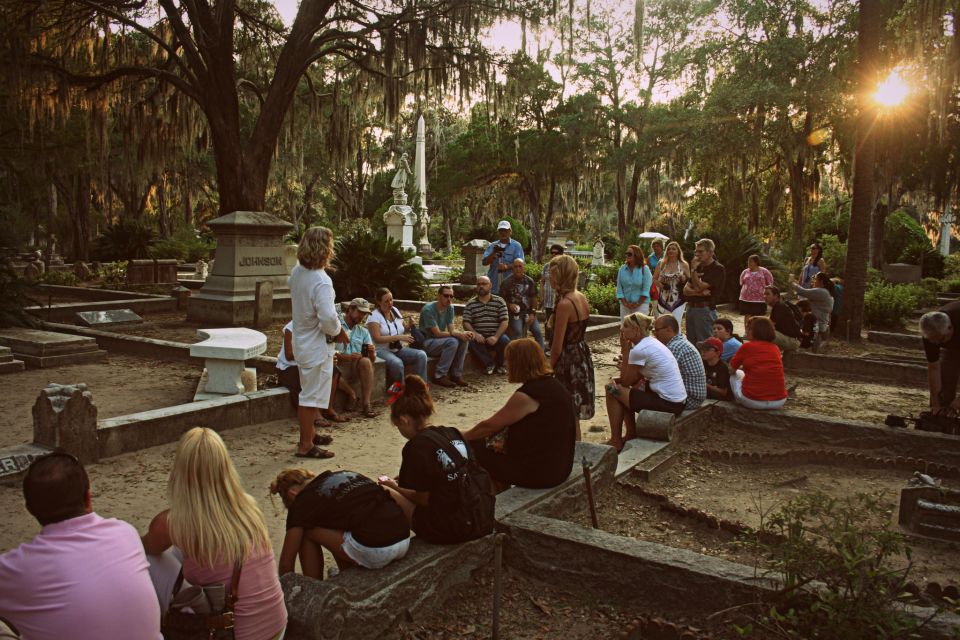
[
  {"x": 500, "y": 254},
  {"x": 355, "y": 358},
  {"x": 718, "y": 373}
]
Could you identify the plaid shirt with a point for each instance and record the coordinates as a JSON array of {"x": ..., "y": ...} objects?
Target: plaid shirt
[{"x": 691, "y": 370}]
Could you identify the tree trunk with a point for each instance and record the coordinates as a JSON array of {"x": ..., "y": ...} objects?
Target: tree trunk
[
  {"x": 548, "y": 223},
  {"x": 51, "y": 218},
  {"x": 162, "y": 220},
  {"x": 851, "y": 317},
  {"x": 81, "y": 217},
  {"x": 631, "y": 199},
  {"x": 187, "y": 202}
]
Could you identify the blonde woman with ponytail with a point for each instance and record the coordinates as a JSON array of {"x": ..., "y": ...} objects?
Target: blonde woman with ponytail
[{"x": 216, "y": 525}]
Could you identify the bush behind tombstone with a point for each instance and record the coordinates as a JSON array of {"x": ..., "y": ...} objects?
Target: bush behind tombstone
[{"x": 364, "y": 263}]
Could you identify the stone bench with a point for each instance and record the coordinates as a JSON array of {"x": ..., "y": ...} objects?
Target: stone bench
[
  {"x": 224, "y": 352},
  {"x": 364, "y": 604}
]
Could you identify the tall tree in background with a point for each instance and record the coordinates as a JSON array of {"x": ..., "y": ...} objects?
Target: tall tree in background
[
  {"x": 421, "y": 45},
  {"x": 858, "y": 237}
]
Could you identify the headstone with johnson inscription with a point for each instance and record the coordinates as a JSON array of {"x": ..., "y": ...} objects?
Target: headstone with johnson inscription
[{"x": 250, "y": 249}]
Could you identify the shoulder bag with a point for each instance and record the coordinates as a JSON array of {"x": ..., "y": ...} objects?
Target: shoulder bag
[{"x": 202, "y": 612}]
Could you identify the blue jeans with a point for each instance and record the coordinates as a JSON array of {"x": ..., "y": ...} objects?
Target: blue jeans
[
  {"x": 516, "y": 329},
  {"x": 397, "y": 359},
  {"x": 700, "y": 323},
  {"x": 452, "y": 352},
  {"x": 482, "y": 351}
]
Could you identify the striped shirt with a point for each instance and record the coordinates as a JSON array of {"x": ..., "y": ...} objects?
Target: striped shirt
[
  {"x": 691, "y": 370},
  {"x": 485, "y": 317}
]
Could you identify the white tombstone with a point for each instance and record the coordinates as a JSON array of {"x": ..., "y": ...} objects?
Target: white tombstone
[
  {"x": 202, "y": 270},
  {"x": 598, "y": 259},
  {"x": 224, "y": 352}
]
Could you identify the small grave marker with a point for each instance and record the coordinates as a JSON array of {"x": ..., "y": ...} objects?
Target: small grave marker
[
  {"x": 263, "y": 304},
  {"x": 108, "y": 318}
]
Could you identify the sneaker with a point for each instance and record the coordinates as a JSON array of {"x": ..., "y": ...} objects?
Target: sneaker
[
  {"x": 489, "y": 370},
  {"x": 443, "y": 382},
  {"x": 501, "y": 369}
]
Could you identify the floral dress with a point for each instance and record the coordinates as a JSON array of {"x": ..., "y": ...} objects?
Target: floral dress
[
  {"x": 575, "y": 367},
  {"x": 671, "y": 289}
]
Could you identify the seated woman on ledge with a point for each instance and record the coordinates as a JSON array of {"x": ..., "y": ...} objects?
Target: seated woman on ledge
[
  {"x": 643, "y": 356},
  {"x": 430, "y": 474},
  {"x": 529, "y": 442},
  {"x": 348, "y": 514},
  {"x": 756, "y": 377}
]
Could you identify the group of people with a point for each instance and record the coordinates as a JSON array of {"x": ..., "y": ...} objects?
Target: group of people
[{"x": 211, "y": 544}]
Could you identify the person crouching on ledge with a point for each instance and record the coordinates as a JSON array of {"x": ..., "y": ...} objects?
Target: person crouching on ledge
[{"x": 356, "y": 520}]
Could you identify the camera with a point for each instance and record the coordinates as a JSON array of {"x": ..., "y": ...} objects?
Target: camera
[{"x": 396, "y": 345}]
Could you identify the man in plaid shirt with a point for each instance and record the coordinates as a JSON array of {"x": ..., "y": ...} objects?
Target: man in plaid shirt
[{"x": 667, "y": 330}]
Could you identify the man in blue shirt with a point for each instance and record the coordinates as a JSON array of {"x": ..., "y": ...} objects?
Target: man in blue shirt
[
  {"x": 442, "y": 339},
  {"x": 499, "y": 255},
  {"x": 355, "y": 358}
]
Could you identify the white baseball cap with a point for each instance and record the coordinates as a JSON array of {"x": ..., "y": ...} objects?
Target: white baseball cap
[{"x": 504, "y": 224}]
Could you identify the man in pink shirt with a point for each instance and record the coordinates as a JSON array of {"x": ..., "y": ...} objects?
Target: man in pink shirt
[{"x": 83, "y": 577}]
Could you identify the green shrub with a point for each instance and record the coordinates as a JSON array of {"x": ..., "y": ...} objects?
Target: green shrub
[
  {"x": 874, "y": 277},
  {"x": 887, "y": 306},
  {"x": 901, "y": 232},
  {"x": 113, "y": 274},
  {"x": 364, "y": 263},
  {"x": 606, "y": 274},
  {"x": 15, "y": 296},
  {"x": 952, "y": 286},
  {"x": 602, "y": 298},
  {"x": 930, "y": 261},
  {"x": 933, "y": 285},
  {"x": 837, "y": 544},
  {"x": 62, "y": 278},
  {"x": 534, "y": 270},
  {"x": 951, "y": 267},
  {"x": 829, "y": 218},
  {"x": 834, "y": 254},
  {"x": 126, "y": 240},
  {"x": 185, "y": 244}
]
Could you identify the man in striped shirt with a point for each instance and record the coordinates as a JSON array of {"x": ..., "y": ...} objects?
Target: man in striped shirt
[{"x": 486, "y": 316}]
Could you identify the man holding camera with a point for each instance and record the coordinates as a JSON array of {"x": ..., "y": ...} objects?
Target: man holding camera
[{"x": 499, "y": 255}]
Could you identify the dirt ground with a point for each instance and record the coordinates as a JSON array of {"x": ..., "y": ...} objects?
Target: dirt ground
[{"x": 748, "y": 493}]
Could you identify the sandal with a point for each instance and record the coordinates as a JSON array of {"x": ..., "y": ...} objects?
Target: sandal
[
  {"x": 314, "y": 452},
  {"x": 368, "y": 412},
  {"x": 320, "y": 423},
  {"x": 322, "y": 439},
  {"x": 332, "y": 417},
  {"x": 353, "y": 404}
]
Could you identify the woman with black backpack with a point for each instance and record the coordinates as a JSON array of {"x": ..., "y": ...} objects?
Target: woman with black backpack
[{"x": 450, "y": 496}]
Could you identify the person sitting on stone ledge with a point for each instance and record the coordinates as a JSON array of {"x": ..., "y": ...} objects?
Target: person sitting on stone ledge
[
  {"x": 82, "y": 577},
  {"x": 756, "y": 370},
  {"x": 216, "y": 527},
  {"x": 786, "y": 326},
  {"x": 392, "y": 336},
  {"x": 359, "y": 522},
  {"x": 288, "y": 374},
  {"x": 717, "y": 371},
  {"x": 434, "y": 458},
  {"x": 519, "y": 291},
  {"x": 821, "y": 303},
  {"x": 443, "y": 339},
  {"x": 667, "y": 330},
  {"x": 723, "y": 331},
  {"x": 530, "y": 441},
  {"x": 486, "y": 316},
  {"x": 354, "y": 359},
  {"x": 644, "y": 358}
]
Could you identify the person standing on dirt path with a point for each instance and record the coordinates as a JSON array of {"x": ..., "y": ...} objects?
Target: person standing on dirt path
[
  {"x": 941, "y": 344},
  {"x": 702, "y": 291},
  {"x": 316, "y": 326}
]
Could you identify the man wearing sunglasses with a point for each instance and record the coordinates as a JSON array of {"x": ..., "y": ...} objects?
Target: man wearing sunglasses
[
  {"x": 82, "y": 577},
  {"x": 443, "y": 339}
]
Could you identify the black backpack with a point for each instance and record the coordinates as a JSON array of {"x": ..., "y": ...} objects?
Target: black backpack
[
  {"x": 797, "y": 316},
  {"x": 477, "y": 502}
]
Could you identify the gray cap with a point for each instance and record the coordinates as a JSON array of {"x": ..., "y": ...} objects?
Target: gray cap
[{"x": 360, "y": 304}]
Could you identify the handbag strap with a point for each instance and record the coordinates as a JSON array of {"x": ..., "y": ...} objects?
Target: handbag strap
[{"x": 234, "y": 585}]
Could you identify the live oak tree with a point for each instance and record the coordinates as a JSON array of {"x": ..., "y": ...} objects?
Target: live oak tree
[{"x": 416, "y": 46}]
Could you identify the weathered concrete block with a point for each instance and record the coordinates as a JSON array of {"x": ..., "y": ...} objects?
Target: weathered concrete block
[
  {"x": 64, "y": 416},
  {"x": 165, "y": 271},
  {"x": 902, "y": 273},
  {"x": 140, "y": 272}
]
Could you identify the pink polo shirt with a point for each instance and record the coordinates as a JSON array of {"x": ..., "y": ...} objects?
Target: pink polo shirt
[{"x": 84, "y": 578}]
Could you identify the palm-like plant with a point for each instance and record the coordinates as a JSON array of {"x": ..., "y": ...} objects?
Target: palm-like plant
[
  {"x": 365, "y": 262},
  {"x": 734, "y": 246}
]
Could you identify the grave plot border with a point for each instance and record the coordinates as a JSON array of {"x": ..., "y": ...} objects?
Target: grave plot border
[{"x": 911, "y": 375}]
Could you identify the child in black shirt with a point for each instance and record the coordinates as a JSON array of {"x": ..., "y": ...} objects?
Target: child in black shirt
[
  {"x": 430, "y": 474},
  {"x": 718, "y": 373}
]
